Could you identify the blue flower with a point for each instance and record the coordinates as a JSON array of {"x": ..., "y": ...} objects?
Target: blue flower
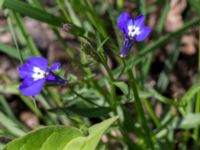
[
  {"x": 35, "y": 73},
  {"x": 133, "y": 30}
]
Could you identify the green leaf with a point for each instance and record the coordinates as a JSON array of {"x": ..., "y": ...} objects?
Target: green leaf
[
  {"x": 10, "y": 51},
  {"x": 25, "y": 9},
  {"x": 190, "y": 121},
  {"x": 9, "y": 88},
  {"x": 162, "y": 98},
  {"x": 85, "y": 112},
  {"x": 191, "y": 92},
  {"x": 90, "y": 142},
  {"x": 10, "y": 125},
  {"x": 1, "y": 3},
  {"x": 61, "y": 138},
  {"x": 195, "y": 5},
  {"x": 49, "y": 138},
  {"x": 102, "y": 44},
  {"x": 163, "y": 16},
  {"x": 38, "y": 14},
  {"x": 123, "y": 86}
]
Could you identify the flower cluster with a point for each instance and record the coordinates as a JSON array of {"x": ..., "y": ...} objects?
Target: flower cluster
[
  {"x": 133, "y": 30},
  {"x": 35, "y": 73}
]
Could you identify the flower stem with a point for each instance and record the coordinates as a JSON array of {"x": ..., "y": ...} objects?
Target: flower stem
[{"x": 140, "y": 111}]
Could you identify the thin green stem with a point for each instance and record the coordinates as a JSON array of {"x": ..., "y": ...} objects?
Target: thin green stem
[
  {"x": 63, "y": 10},
  {"x": 123, "y": 67},
  {"x": 32, "y": 106},
  {"x": 27, "y": 37},
  {"x": 14, "y": 38},
  {"x": 107, "y": 69},
  {"x": 140, "y": 111},
  {"x": 68, "y": 51},
  {"x": 152, "y": 113},
  {"x": 84, "y": 98},
  {"x": 113, "y": 100}
]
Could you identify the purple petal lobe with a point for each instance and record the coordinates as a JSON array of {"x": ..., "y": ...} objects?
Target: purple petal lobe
[
  {"x": 128, "y": 43},
  {"x": 25, "y": 70},
  {"x": 122, "y": 22},
  {"x": 54, "y": 79},
  {"x": 30, "y": 88},
  {"x": 144, "y": 32},
  {"x": 38, "y": 61},
  {"x": 27, "y": 82},
  {"x": 139, "y": 20},
  {"x": 50, "y": 77},
  {"x": 55, "y": 66}
]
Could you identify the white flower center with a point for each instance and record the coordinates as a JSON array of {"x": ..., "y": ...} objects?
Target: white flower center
[
  {"x": 38, "y": 73},
  {"x": 133, "y": 30}
]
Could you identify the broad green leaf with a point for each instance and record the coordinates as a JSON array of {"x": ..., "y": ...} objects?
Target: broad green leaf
[
  {"x": 86, "y": 112},
  {"x": 190, "y": 121},
  {"x": 48, "y": 138},
  {"x": 123, "y": 86},
  {"x": 90, "y": 142},
  {"x": 60, "y": 138}
]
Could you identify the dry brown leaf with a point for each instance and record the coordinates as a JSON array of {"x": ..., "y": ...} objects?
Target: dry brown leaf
[
  {"x": 189, "y": 42},
  {"x": 174, "y": 18},
  {"x": 6, "y": 38},
  {"x": 29, "y": 119}
]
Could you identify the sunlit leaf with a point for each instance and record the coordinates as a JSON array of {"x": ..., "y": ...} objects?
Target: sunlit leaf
[
  {"x": 190, "y": 121},
  {"x": 90, "y": 142}
]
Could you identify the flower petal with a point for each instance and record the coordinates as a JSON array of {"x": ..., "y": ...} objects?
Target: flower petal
[
  {"x": 38, "y": 61},
  {"x": 54, "y": 79},
  {"x": 144, "y": 32},
  {"x": 139, "y": 20},
  {"x": 55, "y": 66},
  {"x": 128, "y": 43},
  {"x": 25, "y": 70},
  {"x": 30, "y": 88},
  {"x": 122, "y": 22}
]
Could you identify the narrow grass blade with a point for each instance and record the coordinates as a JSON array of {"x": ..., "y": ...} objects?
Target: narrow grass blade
[
  {"x": 10, "y": 125},
  {"x": 1, "y": 3},
  {"x": 195, "y": 5},
  {"x": 38, "y": 14},
  {"x": 140, "y": 111}
]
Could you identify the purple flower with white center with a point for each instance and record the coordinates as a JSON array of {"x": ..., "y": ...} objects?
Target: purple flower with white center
[
  {"x": 35, "y": 73},
  {"x": 133, "y": 30}
]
